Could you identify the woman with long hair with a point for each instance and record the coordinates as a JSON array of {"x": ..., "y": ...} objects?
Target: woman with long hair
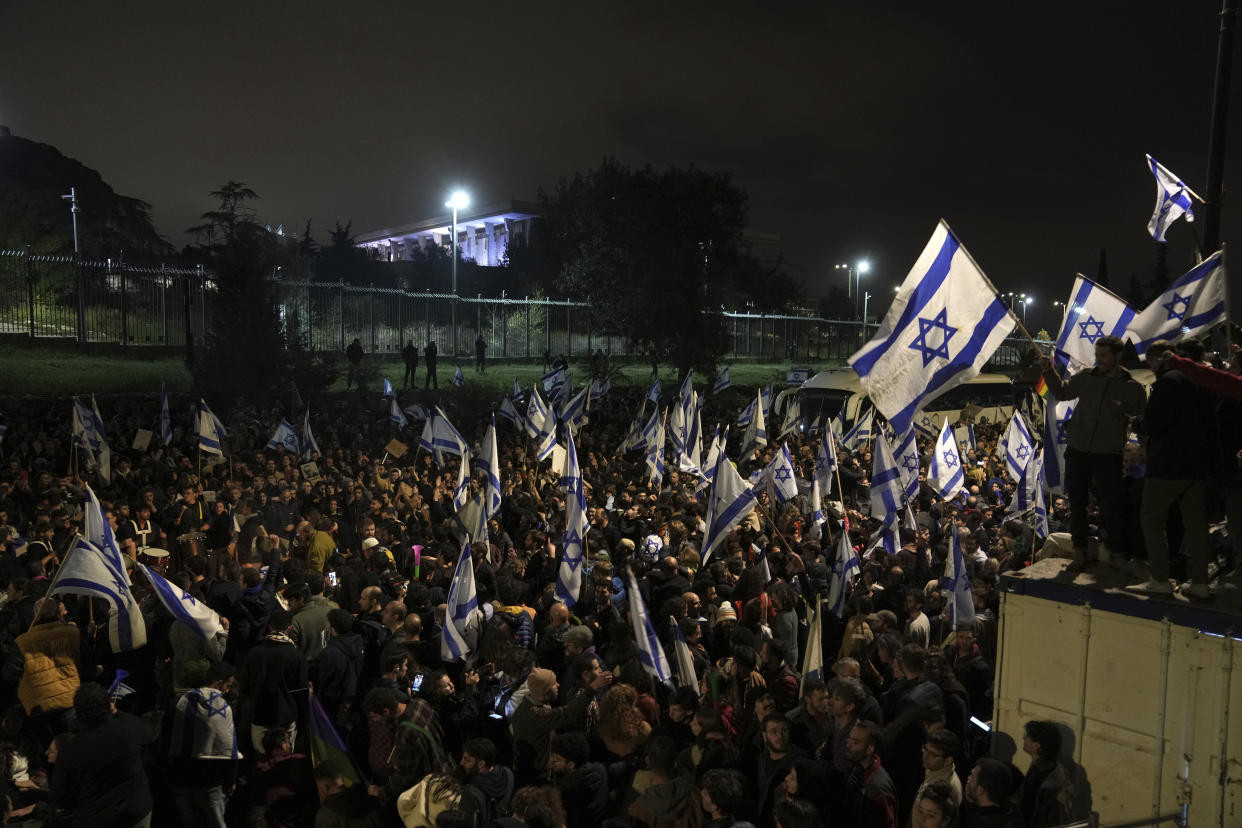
[{"x": 622, "y": 727}]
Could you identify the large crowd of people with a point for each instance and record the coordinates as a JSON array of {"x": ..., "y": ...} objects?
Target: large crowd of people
[{"x": 327, "y": 698}]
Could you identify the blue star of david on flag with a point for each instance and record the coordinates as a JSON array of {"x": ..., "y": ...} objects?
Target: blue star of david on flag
[
  {"x": 950, "y": 458},
  {"x": 910, "y": 463},
  {"x": 926, "y": 326},
  {"x": 1173, "y": 304},
  {"x": 1023, "y": 452},
  {"x": 782, "y": 474},
  {"x": 1092, "y": 329}
]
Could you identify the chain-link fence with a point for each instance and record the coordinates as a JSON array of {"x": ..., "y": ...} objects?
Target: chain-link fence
[{"x": 58, "y": 297}]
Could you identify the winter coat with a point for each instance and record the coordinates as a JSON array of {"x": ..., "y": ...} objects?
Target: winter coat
[
  {"x": 340, "y": 666},
  {"x": 50, "y": 651},
  {"x": 671, "y": 804},
  {"x": 585, "y": 794}
]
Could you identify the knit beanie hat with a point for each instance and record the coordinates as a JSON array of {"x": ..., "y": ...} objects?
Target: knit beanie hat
[
  {"x": 726, "y": 612},
  {"x": 539, "y": 682}
]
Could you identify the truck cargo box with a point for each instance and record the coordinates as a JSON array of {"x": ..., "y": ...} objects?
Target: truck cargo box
[{"x": 1149, "y": 688}]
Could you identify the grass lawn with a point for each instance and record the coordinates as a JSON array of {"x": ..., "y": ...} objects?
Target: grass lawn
[{"x": 28, "y": 371}]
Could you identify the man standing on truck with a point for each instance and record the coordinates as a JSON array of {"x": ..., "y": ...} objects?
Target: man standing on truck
[{"x": 1107, "y": 398}]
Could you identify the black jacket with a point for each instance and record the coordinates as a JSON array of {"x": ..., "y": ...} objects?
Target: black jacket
[{"x": 271, "y": 678}]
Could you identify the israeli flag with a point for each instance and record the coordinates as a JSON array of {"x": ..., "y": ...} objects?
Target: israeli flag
[
  {"x": 285, "y": 436},
  {"x": 517, "y": 389},
  {"x": 461, "y": 612},
  {"x": 816, "y": 529},
  {"x": 649, "y": 650},
  {"x": 211, "y": 431},
  {"x": 655, "y": 455},
  {"x": 793, "y": 418},
  {"x": 459, "y": 379},
  {"x": 860, "y": 434},
  {"x": 943, "y": 326},
  {"x": 826, "y": 462},
  {"x": 309, "y": 447},
  {"x": 556, "y": 384},
  {"x": 957, "y": 582},
  {"x": 573, "y": 545},
  {"x": 780, "y": 472},
  {"x": 717, "y": 448},
  {"x": 1187, "y": 308},
  {"x": 813, "y": 655},
  {"x": 99, "y": 423},
  {"x": 489, "y": 464},
  {"x": 845, "y": 567},
  {"x": 417, "y": 412},
  {"x": 924, "y": 425},
  {"x": 1057, "y": 415},
  {"x": 945, "y": 471},
  {"x": 1172, "y": 200},
  {"x": 387, "y": 387},
  {"x": 1090, "y": 313},
  {"x": 439, "y": 437},
  {"x": 687, "y": 676},
  {"x": 1038, "y": 502},
  {"x": 722, "y": 381},
  {"x": 183, "y": 606},
  {"x": 510, "y": 413},
  {"x": 599, "y": 388},
  {"x": 653, "y": 394},
  {"x": 887, "y": 494},
  {"x": 396, "y": 414},
  {"x": 540, "y": 425},
  {"x": 965, "y": 436},
  {"x": 461, "y": 493},
  {"x": 87, "y": 571},
  {"x": 906, "y": 452},
  {"x": 577, "y": 410},
  {"x": 689, "y": 460},
  {"x": 1019, "y": 447},
  {"x": 165, "y": 419},
  {"x": 731, "y": 500},
  {"x": 756, "y": 436}
]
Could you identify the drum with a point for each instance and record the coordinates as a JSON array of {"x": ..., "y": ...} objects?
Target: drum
[
  {"x": 191, "y": 544},
  {"x": 154, "y": 558}
]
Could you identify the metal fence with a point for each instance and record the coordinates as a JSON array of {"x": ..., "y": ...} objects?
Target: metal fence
[{"x": 59, "y": 298}]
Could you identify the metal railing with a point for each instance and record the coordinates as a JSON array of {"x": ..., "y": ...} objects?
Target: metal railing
[{"x": 45, "y": 298}]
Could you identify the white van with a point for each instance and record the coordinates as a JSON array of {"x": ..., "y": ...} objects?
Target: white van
[{"x": 825, "y": 394}]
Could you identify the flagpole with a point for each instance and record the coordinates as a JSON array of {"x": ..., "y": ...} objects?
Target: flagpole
[
  {"x": 46, "y": 597},
  {"x": 775, "y": 528}
]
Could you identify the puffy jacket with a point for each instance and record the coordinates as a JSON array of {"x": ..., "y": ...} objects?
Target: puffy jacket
[
  {"x": 1106, "y": 402},
  {"x": 50, "y": 651}
]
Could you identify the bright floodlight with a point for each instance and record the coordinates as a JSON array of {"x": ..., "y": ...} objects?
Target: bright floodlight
[
  {"x": 459, "y": 200},
  {"x": 864, "y": 266}
]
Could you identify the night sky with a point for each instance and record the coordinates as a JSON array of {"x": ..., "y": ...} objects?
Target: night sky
[{"x": 854, "y": 127}]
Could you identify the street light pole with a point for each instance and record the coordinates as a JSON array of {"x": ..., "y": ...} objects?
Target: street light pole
[
  {"x": 74, "y": 209},
  {"x": 456, "y": 201}
]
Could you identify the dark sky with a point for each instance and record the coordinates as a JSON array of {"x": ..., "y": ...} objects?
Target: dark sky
[{"x": 853, "y": 126}]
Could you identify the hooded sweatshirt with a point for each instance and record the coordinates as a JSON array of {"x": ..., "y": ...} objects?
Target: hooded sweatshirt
[{"x": 340, "y": 665}]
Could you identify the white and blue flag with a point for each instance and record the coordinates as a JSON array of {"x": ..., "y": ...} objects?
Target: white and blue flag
[
  {"x": 576, "y": 411},
  {"x": 461, "y": 492},
  {"x": 439, "y": 437},
  {"x": 943, "y": 326},
  {"x": 816, "y": 528},
  {"x": 731, "y": 500},
  {"x": 211, "y": 431},
  {"x": 165, "y": 419},
  {"x": 1019, "y": 447},
  {"x": 1187, "y": 308},
  {"x": 397, "y": 415},
  {"x": 961, "y": 602},
  {"x": 540, "y": 425},
  {"x": 569, "y": 575},
  {"x": 722, "y": 380},
  {"x": 845, "y": 567},
  {"x": 285, "y": 436},
  {"x": 509, "y": 411},
  {"x": 1090, "y": 313},
  {"x": 780, "y": 472},
  {"x": 309, "y": 447},
  {"x": 653, "y": 394},
  {"x": 183, "y": 606},
  {"x": 906, "y": 453},
  {"x": 826, "y": 461},
  {"x": 687, "y": 676},
  {"x": 1172, "y": 200},
  {"x": 1056, "y": 439},
  {"x": 649, "y": 650},
  {"x": 459, "y": 379},
  {"x": 887, "y": 494},
  {"x": 489, "y": 464},
  {"x": 600, "y": 388},
  {"x": 86, "y": 570},
  {"x": 813, "y": 656},
  {"x": 556, "y": 384},
  {"x": 708, "y": 470},
  {"x": 387, "y": 387},
  {"x": 756, "y": 436},
  {"x": 860, "y": 434},
  {"x": 965, "y": 436},
  {"x": 655, "y": 455},
  {"x": 945, "y": 471},
  {"x": 461, "y": 611},
  {"x": 517, "y": 389}
]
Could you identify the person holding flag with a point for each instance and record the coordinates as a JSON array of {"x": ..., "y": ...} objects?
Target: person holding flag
[
  {"x": 573, "y": 547},
  {"x": 1108, "y": 397}
]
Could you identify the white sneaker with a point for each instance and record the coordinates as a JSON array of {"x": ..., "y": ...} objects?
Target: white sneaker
[
  {"x": 1200, "y": 592},
  {"x": 1152, "y": 587}
]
